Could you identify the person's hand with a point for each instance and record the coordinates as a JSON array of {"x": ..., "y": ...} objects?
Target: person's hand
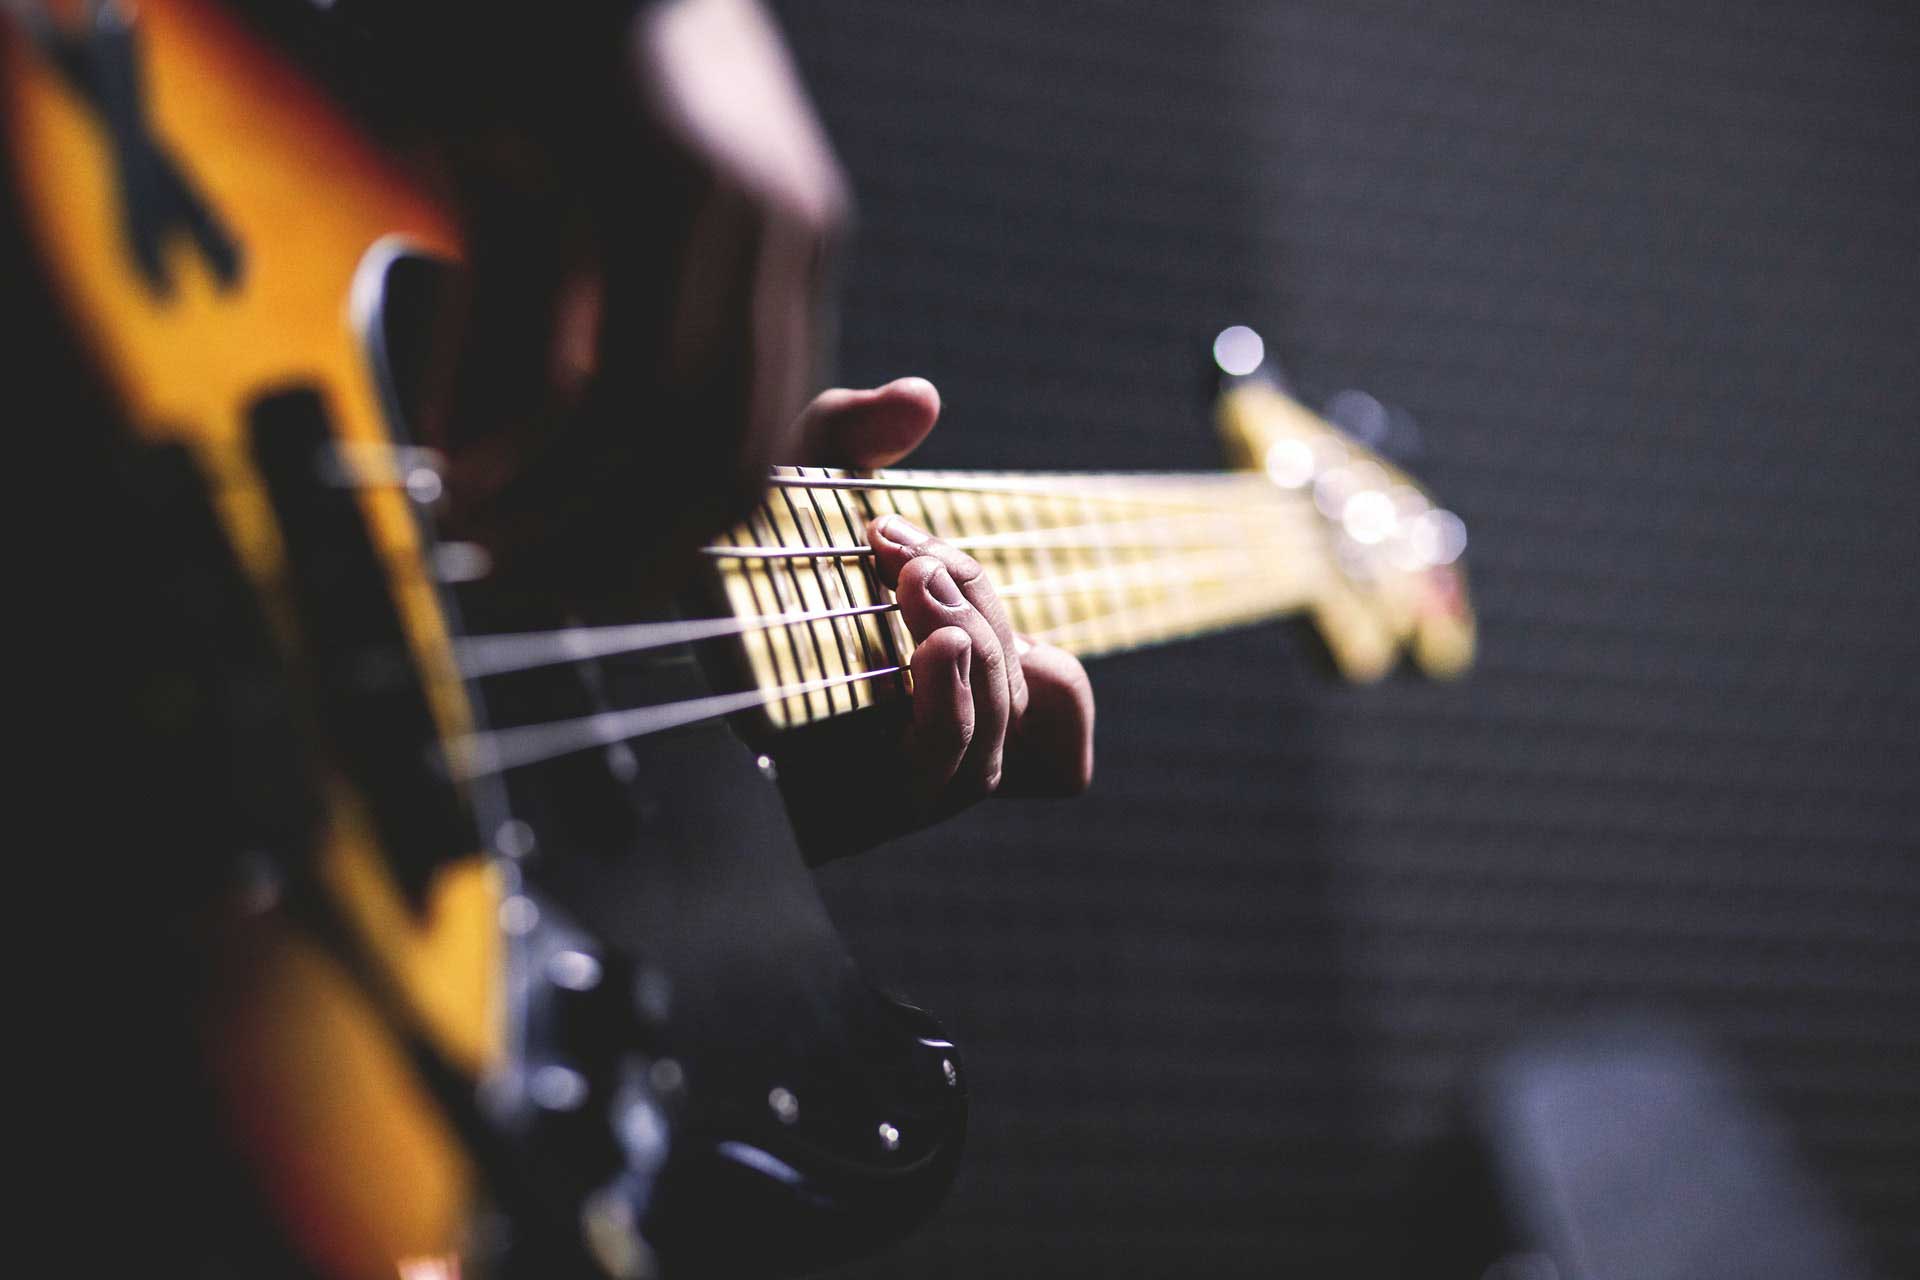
[{"x": 993, "y": 711}]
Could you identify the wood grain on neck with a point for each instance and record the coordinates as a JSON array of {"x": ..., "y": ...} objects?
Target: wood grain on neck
[{"x": 1093, "y": 563}]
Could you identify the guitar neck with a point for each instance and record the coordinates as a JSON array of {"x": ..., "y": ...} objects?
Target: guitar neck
[{"x": 1092, "y": 563}]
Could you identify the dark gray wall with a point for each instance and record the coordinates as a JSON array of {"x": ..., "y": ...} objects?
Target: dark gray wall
[{"x": 1646, "y": 274}]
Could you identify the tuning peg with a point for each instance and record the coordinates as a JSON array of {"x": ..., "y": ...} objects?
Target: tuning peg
[{"x": 1239, "y": 353}]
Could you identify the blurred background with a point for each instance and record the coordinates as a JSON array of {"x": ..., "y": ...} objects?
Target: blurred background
[{"x": 1643, "y": 280}]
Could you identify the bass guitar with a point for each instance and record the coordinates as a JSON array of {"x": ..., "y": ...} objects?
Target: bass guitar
[{"x": 460, "y": 989}]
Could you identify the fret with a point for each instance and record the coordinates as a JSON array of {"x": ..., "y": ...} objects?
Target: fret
[
  {"x": 1098, "y": 563},
  {"x": 1199, "y": 597},
  {"x": 760, "y": 531},
  {"x": 1022, "y": 559},
  {"x": 1076, "y": 557},
  {"x": 1054, "y": 555},
  {"x": 1213, "y": 577},
  {"x": 1002, "y": 564},
  {"x": 876, "y": 637},
  {"x": 846, "y": 582},
  {"x": 885, "y": 630},
  {"x": 1085, "y": 607},
  {"x": 1146, "y": 580},
  {"x": 789, "y": 592},
  {"x": 964, "y": 512},
  {"x": 1092, "y": 563},
  {"x": 1050, "y": 611},
  {"x": 1181, "y": 610},
  {"x": 1164, "y": 584},
  {"x": 837, "y": 656},
  {"x": 964, "y": 519},
  {"x": 769, "y": 651},
  {"x": 801, "y": 575},
  {"x": 930, "y": 510},
  {"x": 967, "y": 518},
  {"x": 899, "y": 641},
  {"x": 851, "y": 586},
  {"x": 1101, "y": 558},
  {"x": 1134, "y": 582}
]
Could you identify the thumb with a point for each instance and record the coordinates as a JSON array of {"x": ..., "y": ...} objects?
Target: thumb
[{"x": 873, "y": 428}]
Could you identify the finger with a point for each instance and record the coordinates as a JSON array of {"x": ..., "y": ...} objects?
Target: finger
[
  {"x": 929, "y": 601},
  {"x": 873, "y": 428},
  {"x": 943, "y": 713},
  {"x": 1050, "y": 748},
  {"x": 896, "y": 540}
]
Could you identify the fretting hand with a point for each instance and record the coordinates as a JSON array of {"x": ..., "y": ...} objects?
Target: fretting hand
[{"x": 993, "y": 711}]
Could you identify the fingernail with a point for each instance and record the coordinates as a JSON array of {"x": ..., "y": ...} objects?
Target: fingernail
[
  {"x": 901, "y": 532},
  {"x": 941, "y": 586},
  {"x": 1021, "y": 645},
  {"x": 963, "y": 665},
  {"x": 912, "y": 385}
]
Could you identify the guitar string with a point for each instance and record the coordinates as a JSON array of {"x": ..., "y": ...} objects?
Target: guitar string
[
  {"x": 979, "y": 542},
  {"x": 1136, "y": 627},
  {"x": 1157, "y": 528},
  {"x": 892, "y": 630},
  {"x": 482, "y": 656},
  {"x": 758, "y": 585},
  {"x": 862, "y": 551},
  {"x": 1276, "y": 510},
  {"x": 501, "y": 750},
  {"x": 809, "y": 631},
  {"x": 839, "y": 567},
  {"x": 1038, "y": 482},
  {"x": 1177, "y": 602},
  {"x": 1089, "y": 490},
  {"x": 490, "y": 655},
  {"x": 1167, "y": 570},
  {"x": 496, "y": 751}
]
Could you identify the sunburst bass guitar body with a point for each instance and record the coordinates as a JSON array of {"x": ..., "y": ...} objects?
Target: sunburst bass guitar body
[
  {"x": 212, "y": 230},
  {"x": 409, "y": 1048}
]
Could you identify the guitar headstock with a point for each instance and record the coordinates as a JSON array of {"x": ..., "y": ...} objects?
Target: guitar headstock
[{"x": 1393, "y": 579}]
